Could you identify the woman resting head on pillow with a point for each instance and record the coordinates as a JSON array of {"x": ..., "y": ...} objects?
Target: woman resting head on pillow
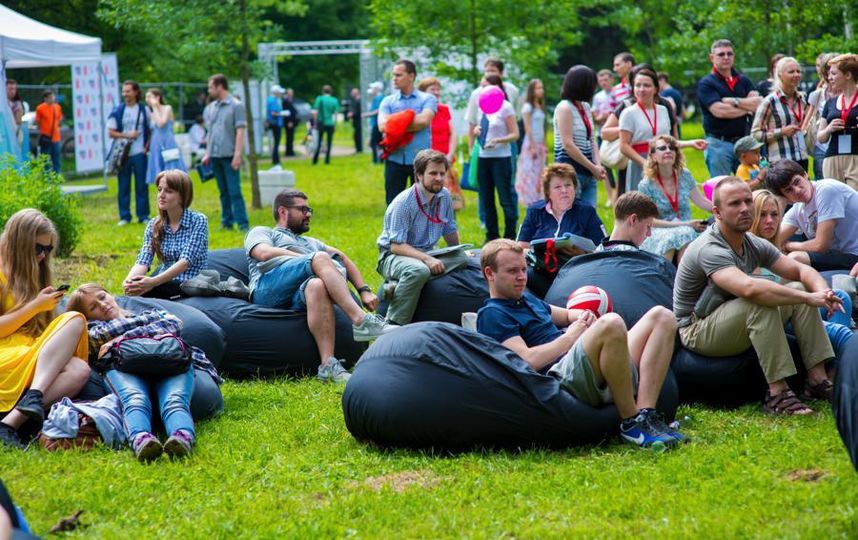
[
  {"x": 42, "y": 355},
  {"x": 173, "y": 392},
  {"x": 178, "y": 236}
]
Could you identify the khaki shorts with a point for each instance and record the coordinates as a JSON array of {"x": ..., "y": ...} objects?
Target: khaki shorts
[{"x": 576, "y": 377}]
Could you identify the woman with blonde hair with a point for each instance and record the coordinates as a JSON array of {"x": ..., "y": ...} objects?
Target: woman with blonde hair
[
  {"x": 164, "y": 151},
  {"x": 672, "y": 188},
  {"x": 838, "y": 125},
  {"x": 178, "y": 236},
  {"x": 42, "y": 354},
  {"x": 780, "y": 119}
]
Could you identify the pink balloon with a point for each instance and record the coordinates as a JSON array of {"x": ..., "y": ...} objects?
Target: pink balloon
[
  {"x": 709, "y": 186},
  {"x": 491, "y": 99}
]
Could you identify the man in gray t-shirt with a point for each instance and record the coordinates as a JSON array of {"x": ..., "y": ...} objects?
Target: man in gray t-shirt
[
  {"x": 723, "y": 309},
  {"x": 300, "y": 273}
]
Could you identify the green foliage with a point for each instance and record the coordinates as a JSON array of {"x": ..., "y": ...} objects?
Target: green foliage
[{"x": 28, "y": 185}]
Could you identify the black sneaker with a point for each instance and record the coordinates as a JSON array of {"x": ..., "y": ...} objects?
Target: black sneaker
[
  {"x": 32, "y": 406},
  {"x": 9, "y": 437}
]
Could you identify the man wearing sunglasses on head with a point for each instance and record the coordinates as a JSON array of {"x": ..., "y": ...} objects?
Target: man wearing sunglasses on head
[
  {"x": 728, "y": 100},
  {"x": 291, "y": 271}
]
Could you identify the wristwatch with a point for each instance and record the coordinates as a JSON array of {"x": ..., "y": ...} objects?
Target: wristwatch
[
  {"x": 735, "y": 102},
  {"x": 365, "y": 288}
]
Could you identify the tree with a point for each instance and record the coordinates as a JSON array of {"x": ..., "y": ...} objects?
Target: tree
[
  {"x": 207, "y": 37},
  {"x": 452, "y": 34}
]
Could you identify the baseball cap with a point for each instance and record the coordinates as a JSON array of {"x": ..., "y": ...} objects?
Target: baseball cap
[{"x": 746, "y": 144}]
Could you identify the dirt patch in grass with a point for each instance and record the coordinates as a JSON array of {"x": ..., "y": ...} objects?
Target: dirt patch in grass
[
  {"x": 401, "y": 481},
  {"x": 806, "y": 475}
]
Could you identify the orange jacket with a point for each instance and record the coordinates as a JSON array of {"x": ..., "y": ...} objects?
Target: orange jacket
[{"x": 395, "y": 132}]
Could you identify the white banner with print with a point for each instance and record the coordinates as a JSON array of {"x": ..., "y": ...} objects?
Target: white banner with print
[{"x": 94, "y": 94}]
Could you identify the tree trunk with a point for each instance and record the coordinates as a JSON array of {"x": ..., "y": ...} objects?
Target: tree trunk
[{"x": 256, "y": 201}]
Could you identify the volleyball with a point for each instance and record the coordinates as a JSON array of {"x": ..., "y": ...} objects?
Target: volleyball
[{"x": 591, "y": 298}]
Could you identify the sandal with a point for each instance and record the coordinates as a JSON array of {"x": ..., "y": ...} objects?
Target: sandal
[
  {"x": 785, "y": 403},
  {"x": 823, "y": 390}
]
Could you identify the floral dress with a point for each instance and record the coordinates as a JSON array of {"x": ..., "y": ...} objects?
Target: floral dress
[{"x": 664, "y": 239}]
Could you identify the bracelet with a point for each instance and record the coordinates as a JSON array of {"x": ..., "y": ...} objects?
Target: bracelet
[{"x": 365, "y": 288}]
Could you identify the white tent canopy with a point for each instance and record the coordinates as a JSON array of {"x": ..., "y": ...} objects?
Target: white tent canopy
[{"x": 26, "y": 43}]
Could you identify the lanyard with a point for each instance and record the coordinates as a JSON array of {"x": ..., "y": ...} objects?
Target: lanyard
[
  {"x": 654, "y": 123},
  {"x": 729, "y": 81},
  {"x": 432, "y": 219},
  {"x": 585, "y": 118},
  {"x": 674, "y": 202},
  {"x": 797, "y": 115},
  {"x": 844, "y": 111}
]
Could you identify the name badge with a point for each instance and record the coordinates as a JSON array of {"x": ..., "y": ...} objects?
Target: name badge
[{"x": 844, "y": 144}]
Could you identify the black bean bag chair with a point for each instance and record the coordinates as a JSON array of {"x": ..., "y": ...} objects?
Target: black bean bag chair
[
  {"x": 436, "y": 385},
  {"x": 845, "y": 403},
  {"x": 445, "y": 298},
  {"x": 636, "y": 281},
  {"x": 261, "y": 341}
]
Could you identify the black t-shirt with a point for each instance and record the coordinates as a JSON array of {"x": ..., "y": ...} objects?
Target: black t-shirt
[
  {"x": 711, "y": 89},
  {"x": 850, "y": 134}
]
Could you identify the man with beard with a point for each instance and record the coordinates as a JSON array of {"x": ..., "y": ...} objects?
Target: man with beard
[
  {"x": 722, "y": 309},
  {"x": 300, "y": 273},
  {"x": 413, "y": 223}
]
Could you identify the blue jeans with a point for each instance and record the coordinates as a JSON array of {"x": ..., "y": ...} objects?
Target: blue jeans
[
  {"x": 720, "y": 158},
  {"x": 283, "y": 287},
  {"x": 818, "y": 158},
  {"x": 137, "y": 165},
  {"x": 173, "y": 394},
  {"x": 54, "y": 150},
  {"x": 496, "y": 172},
  {"x": 587, "y": 190},
  {"x": 232, "y": 208}
]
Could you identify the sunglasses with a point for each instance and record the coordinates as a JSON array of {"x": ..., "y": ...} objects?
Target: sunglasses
[
  {"x": 42, "y": 248},
  {"x": 302, "y": 209},
  {"x": 725, "y": 54},
  {"x": 663, "y": 148}
]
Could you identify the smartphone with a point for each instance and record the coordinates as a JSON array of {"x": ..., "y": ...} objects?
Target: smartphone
[{"x": 64, "y": 287}]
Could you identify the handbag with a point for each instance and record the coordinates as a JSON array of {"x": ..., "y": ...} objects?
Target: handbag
[
  {"x": 119, "y": 151},
  {"x": 812, "y": 126},
  {"x": 611, "y": 156},
  {"x": 170, "y": 154},
  {"x": 164, "y": 355}
]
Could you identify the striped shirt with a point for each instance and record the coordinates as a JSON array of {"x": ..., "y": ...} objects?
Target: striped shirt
[
  {"x": 406, "y": 223},
  {"x": 149, "y": 323},
  {"x": 579, "y": 135},
  {"x": 772, "y": 116},
  {"x": 189, "y": 242}
]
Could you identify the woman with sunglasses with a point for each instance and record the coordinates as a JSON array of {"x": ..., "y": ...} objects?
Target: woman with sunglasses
[
  {"x": 670, "y": 185},
  {"x": 42, "y": 354},
  {"x": 178, "y": 236}
]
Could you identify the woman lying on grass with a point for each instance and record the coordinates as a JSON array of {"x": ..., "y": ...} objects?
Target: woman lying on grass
[{"x": 173, "y": 392}]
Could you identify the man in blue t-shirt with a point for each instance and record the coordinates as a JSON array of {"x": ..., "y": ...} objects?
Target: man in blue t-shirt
[
  {"x": 728, "y": 101},
  {"x": 596, "y": 360}
]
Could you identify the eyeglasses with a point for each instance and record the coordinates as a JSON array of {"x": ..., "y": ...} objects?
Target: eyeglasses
[
  {"x": 725, "y": 54},
  {"x": 302, "y": 209},
  {"x": 42, "y": 248},
  {"x": 663, "y": 148}
]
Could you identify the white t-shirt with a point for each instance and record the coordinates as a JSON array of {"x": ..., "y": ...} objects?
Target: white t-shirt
[
  {"x": 632, "y": 119},
  {"x": 129, "y": 120},
  {"x": 497, "y": 129},
  {"x": 602, "y": 102},
  {"x": 473, "y": 112},
  {"x": 831, "y": 200}
]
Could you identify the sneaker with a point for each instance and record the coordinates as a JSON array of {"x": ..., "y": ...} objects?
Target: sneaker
[
  {"x": 9, "y": 437},
  {"x": 333, "y": 371},
  {"x": 32, "y": 405},
  {"x": 372, "y": 327},
  {"x": 657, "y": 420},
  {"x": 179, "y": 444},
  {"x": 641, "y": 431},
  {"x": 147, "y": 447},
  {"x": 122, "y": 223}
]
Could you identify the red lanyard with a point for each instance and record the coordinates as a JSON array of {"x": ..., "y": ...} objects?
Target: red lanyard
[
  {"x": 844, "y": 112},
  {"x": 797, "y": 115},
  {"x": 674, "y": 202},
  {"x": 432, "y": 219},
  {"x": 729, "y": 81},
  {"x": 654, "y": 123},
  {"x": 585, "y": 117}
]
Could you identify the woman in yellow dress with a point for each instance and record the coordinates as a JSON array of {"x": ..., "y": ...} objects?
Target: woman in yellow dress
[{"x": 42, "y": 354}]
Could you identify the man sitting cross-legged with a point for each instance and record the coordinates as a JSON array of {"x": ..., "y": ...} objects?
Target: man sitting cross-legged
[
  {"x": 297, "y": 272},
  {"x": 633, "y": 216},
  {"x": 723, "y": 309},
  {"x": 413, "y": 223},
  {"x": 596, "y": 360}
]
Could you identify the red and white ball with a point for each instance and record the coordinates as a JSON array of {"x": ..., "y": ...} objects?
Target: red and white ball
[{"x": 591, "y": 298}]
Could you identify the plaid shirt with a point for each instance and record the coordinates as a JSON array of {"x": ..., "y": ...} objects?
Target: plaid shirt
[
  {"x": 406, "y": 223},
  {"x": 150, "y": 323},
  {"x": 772, "y": 116},
  {"x": 190, "y": 242}
]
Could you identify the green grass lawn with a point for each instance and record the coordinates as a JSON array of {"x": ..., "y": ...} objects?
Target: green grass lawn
[{"x": 280, "y": 463}]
